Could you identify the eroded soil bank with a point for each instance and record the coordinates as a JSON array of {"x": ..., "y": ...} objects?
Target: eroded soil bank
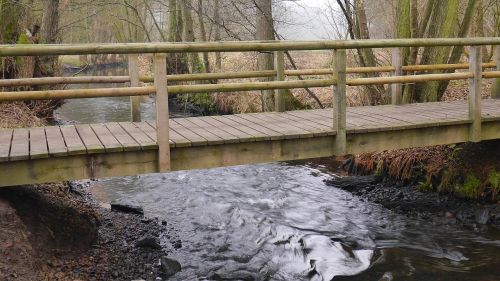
[
  {"x": 448, "y": 184},
  {"x": 57, "y": 232}
]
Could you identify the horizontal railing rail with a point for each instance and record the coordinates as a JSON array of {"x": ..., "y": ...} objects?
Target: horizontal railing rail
[
  {"x": 240, "y": 46},
  {"x": 231, "y": 87},
  {"x": 227, "y": 75}
]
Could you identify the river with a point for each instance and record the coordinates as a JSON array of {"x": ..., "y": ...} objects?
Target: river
[{"x": 280, "y": 221}]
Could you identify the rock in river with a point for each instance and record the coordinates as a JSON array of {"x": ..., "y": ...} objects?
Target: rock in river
[
  {"x": 126, "y": 208},
  {"x": 169, "y": 266}
]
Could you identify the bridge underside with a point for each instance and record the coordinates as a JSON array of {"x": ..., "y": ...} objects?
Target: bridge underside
[{"x": 59, "y": 153}]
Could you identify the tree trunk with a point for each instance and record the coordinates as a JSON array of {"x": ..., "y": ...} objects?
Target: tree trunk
[
  {"x": 457, "y": 51},
  {"x": 443, "y": 24},
  {"x": 10, "y": 31},
  {"x": 404, "y": 27},
  {"x": 408, "y": 90},
  {"x": 217, "y": 37},
  {"x": 188, "y": 36},
  {"x": 264, "y": 31},
  {"x": 203, "y": 35},
  {"x": 478, "y": 30},
  {"x": 358, "y": 29},
  {"x": 46, "y": 66},
  {"x": 177, "y": 63}
]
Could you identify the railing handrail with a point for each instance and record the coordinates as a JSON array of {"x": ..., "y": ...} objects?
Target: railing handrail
[
  {"x": 226, "y": 75},
  {"x": 231, "y": 46}
]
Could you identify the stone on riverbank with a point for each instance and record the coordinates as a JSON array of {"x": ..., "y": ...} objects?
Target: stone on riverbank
[
  {"x": 127, "y": 208},
  {"x": 148, "y": 242},
  {"x": 169, "y": 266}
]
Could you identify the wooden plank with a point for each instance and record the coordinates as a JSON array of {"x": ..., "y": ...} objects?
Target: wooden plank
[
  {"x": 128, "y": 143},
  {"x": 310, "y": 116},
  {"x": 275, "y": 124},
  {"x": 324, "y": 117},
  {"x": 38, "y": 143},
  {"x": 110, "y": 143},
  {"x": 305, "y": 130},
  {"x": 139, "y": 136},
  {"x": 73, "y": 141},
  {"x": 195, "y": 139},
  {"x": 20, "y": 149},
  {"x": 273, "y": 131},
  {"x": 318, "y": 128},
  {"x": 356, "y": 124},
  {"x": 148, "y": 129},
  {"x": 5, "y": 142},
  {"x": 241, "y": 135},
  {"x": 89, "y": 139},
  {"x": 216, "y": 130},
  {"x": 203, "y": 132},
  {"x": 55, "y": 141},
  {"x": 386, "y": 118},
  {"x": 176, "y": 140},
  {"x": 249, "y": 130}
]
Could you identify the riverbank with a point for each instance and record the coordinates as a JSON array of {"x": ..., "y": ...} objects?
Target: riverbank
[
  {"x": 407, "y": 199},
  {"x": 468, "y": 170},
  {"x": 58, "y": 232}
]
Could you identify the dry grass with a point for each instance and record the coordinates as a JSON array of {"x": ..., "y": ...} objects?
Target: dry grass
[
  {"x": 250, "y": 101},
  {"x": 18, "y": 114}
]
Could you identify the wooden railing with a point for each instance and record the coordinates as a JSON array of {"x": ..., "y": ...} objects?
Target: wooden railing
[{"x": 338, "y": 76}]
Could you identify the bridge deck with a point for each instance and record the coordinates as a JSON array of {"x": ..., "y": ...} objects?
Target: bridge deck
[{"x": 58, "y": 141}]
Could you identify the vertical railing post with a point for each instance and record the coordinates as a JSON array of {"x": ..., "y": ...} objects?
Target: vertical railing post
[
  {"x": 475, "y": 93},
  {"x": 495, "y": 90},
  {"x": 162, "y": 114},
  {"x": 135, "y": 101},
  {"x": 279, "y": 94},
  {"x": 340, "y": 103},
  {"x": 397, "y": 63}
]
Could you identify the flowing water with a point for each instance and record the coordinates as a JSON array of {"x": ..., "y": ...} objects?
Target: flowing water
[{"x": 281, "y": 222}]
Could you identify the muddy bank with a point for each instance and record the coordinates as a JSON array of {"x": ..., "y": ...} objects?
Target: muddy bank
[
  {"x": 57, "y": 232},
  {"x": 469, "y": 170},
  {"x": 407, "y": 199}
]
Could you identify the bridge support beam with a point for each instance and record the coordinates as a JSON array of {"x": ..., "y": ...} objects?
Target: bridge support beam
[
  {"x": 495, "y": 90},
  {"x": 279, "y": 95},
  {"x": 162, "y": 112},
  {"x": 135, "y": 101},
  {"x": 397, "y": 88},
  {"x": 475, "y": 93},
  {"x": 340, "y": 103}
]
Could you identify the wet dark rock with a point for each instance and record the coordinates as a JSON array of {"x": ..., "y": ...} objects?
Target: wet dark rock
[
  {"x": 482, "y": 216},
  {"x": 126, "y": 208},
  {"x": 351, "y": 183},
  {"x": 177, "y": 244},
  {"x": 410, "y": 201},
  {"x": 169, "y": 266},
  {"x": 148, "y": 242}
]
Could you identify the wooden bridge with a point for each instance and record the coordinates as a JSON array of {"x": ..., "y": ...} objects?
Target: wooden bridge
[{"x": 69, "y": 152}]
